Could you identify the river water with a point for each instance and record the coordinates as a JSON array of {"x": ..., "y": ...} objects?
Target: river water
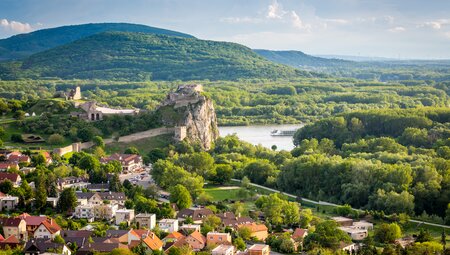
[{"x": 261, "y": 135}]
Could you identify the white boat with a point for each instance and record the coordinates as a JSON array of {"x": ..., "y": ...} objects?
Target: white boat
[{"x": 278, "y": 132}]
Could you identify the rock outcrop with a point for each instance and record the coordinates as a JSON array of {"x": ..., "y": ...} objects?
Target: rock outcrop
[{"x": 189, "y": 107}]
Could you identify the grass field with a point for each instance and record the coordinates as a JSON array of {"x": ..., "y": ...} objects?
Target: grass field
[
  {"x": 143, "y": 145},
  {"x": 223, "y": 194}
]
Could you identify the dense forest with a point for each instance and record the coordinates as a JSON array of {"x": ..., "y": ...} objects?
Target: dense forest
[
  {"x": 23, "y": 45},
  {"x": 143, "y": 57},
  {"x": 391, "y": 160}
]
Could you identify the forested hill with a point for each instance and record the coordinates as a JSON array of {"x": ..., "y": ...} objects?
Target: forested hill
[
  {"x": 298, "y": 59},
  {"x": 141, "y": 56},
  {"x": 23, "y": 45}
]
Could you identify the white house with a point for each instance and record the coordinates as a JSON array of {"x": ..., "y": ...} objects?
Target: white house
[
  {"x": 363, "y": 225},
  {"x": 48, "y": 229},
  {"x": 124, "y": 215},
  {"x": 8, "y": 203},
  {"x": 223, "y": 250},
  {"x": 168, "y": 225},
  {"x": 146, "y": 220},
  {"x": 354, "y": 233},
  {"x": 84, "y": 212}
]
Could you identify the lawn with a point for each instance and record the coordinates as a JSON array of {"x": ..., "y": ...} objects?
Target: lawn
[
  {"x": 144, "y": 145},
  {"x": 219, "y": 194}
]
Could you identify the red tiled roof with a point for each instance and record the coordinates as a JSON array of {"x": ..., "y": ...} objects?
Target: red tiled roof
[
  {"x": 11, "y": 222},
  {"x": 11, "y": 240},
  {"x": 1, "y": 238},
  {"x": 299, "y": 233},
  {"x": 9, "y": 176},
  {"x": 51, "y": 226},
  {"x": 7, "y": 165},
  {"x": 18, "y": 158},
  {"x": 174, "y": 235},
  {"x": 32, "y": 220},
  {"x": 254, "y": 227}
]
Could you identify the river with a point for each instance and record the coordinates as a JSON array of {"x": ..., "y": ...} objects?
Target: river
[{"x": 261, "y": 135}]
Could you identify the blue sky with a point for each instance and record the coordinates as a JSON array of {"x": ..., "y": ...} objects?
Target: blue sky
[{"x": 385, "y": 28}]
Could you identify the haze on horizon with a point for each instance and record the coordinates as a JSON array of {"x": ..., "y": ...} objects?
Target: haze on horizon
[{"x": 407, "y": 29}]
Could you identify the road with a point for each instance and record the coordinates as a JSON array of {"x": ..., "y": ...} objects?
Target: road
[{"x": 331, "y": 204}]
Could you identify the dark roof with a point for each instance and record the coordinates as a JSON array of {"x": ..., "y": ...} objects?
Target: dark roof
[
  {"x": 11, "y": 222},
  {"x": 76, "y": 233},
  {"x": 112, "y": 195},
  {"x": 195, "y": 214},
  {"x": 10, "y": 176},
  {"x": 41, "y": 245},
  {"x": 85, "y": 195},
  {"x": 116, "y": 233}
]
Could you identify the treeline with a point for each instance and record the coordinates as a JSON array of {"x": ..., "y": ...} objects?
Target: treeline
[{"x": 386, "y": 160}]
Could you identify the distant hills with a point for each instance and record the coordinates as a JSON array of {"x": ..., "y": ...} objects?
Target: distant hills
[
  {"x": 23, "y": 45},
  {"x": 299, "y": 59},
  {"x": 144, "y": 56}
]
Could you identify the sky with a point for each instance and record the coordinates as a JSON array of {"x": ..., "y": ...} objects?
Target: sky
[{"x": 414, "y": 29}]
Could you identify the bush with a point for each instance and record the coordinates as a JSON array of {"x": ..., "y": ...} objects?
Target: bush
[{"x": 56, "y": 139}]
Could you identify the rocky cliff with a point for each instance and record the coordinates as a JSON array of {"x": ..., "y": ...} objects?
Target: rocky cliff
[{"x": 189, "y": 107}]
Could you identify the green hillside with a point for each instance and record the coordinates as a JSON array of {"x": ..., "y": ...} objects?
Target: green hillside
[
  {"x": 23, "y": 45},
  {"x": 140, "y": 56},
  {"x": 297, "y": 59}
]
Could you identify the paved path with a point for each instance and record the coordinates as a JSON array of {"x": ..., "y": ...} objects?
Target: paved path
[
  {"x": 331, "y": 204},
  {"x": 141, "y": 135}
]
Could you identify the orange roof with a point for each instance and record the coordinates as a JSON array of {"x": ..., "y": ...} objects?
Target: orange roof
[
  {"x": 140, "y": 232},
  {"x": 1, "y": 238},
  {"x": 174, "y": 235},
  {"x": 51, "y": 226},
  {"x": 254, "y": 227},
  {"x": 153, "y": 242},
  {"x": 198, "y": 236}
]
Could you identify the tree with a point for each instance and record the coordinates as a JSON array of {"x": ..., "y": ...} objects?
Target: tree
[
  {"x": 59, "y": 239},
  {"x": 89, "y": 162},
  {"x": 180, "y": 195},
  {"x": 245, "y": 183},
  {"x": 114, "y": 183},
  {"x": 223, "y": 173},
  {"x": 55, "y": 139},
  {"x": 40, "y": 196},
  {"x": 327, "y": 235},
  {"x": 274, "y": 147},
  {"x": 259, "y": 170},
  {"x": 239, "y": 243},
  {"x": 424, "y": 236},
  {"x": 388, "y": 233},
  {"x": 6, "y": 186},
  {"x": 156, "y": 154},
  {"x": 131, "y": 150},
  {"x": 306, "y": 217},
  {"x": 98, "y": 141},
  {"x": 16, "y": 138},
  {"x": 237, "y": 207},
  {"x": 67, "y": 200},
  {"x": 39, "y": 160},
  {"x": 245, "y": 233},
  {"x": 121, "y": 251},
  {"x": 27, "y": 190}
]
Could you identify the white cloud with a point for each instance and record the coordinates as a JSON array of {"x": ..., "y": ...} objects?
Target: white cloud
[
  {"x": 15, "y": 26},
  {"x": 397, "y": 29},
  {"x": 275, "y": 11},
  {"x": 437, "y": 24}
]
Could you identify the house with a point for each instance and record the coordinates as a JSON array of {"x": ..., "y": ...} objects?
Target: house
[
  {"x": 85, "y": 212},
  {"x": 189, "y": 228},
  {"x": 105, "y": 211},
  {"x": 118, "y": 198},
  {"x": 14, "y": 227},
  {"x": 45, "y": 246},
  {"x": 299, "y": 234},
  {"x": 89, "y": 198},
  {"x": 172, "y": 237},
  {"x": 26, "y": 170},
  {"x": 48, "y": 229},
  {"x": 259, "y": 249},
  {"x": 146, "y": 220},
  {"x": 343, "y": 221},
  {"x": 8, "y": 203},
  {"x": 120, "y": 235},
  {"x": 168, "y": 225},
  {"x": 355, "y": 233},
  {"x": 5, "y": 166},
  {"x": 10, "y": 242},
  {"x": 152, "y": 242},
  {"x": 98, "y": 187},
  {"x": 130, "y": 162},
  {"x": 14, "y": 178},
  {"x": 52, "y": 201},
  {"x": 195, "y": 240},
  {"x": 364, "y": 225},
  {"x": 80, "y": 237},
  {"x": 349, "y": 248},
  {"x": 223, "y": 250},
  {"x": 196, "y": 214},
  {"x": 99, "y": 247},
  {"x": 230, "y": 220},
  {"x": 32, "y": 222},
  {"x": 215, "y": 238},
  {"x": 77, "y": 183},
  {"x": 18, "y": 158},
  {"x": 124, "y": 215},
  {"x": 258, "y": 231}
]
